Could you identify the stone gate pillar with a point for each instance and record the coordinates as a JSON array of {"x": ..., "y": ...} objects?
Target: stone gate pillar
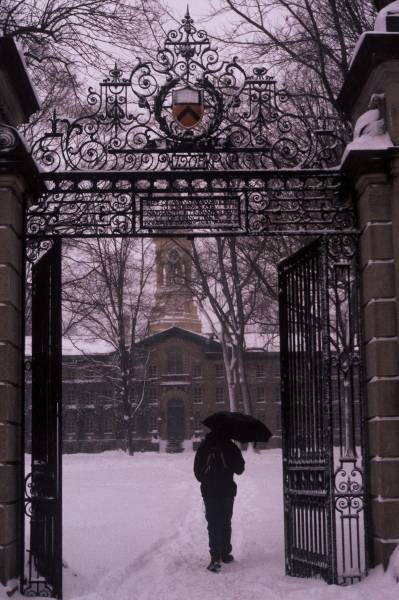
[
  {"x": 18, "y": 183},
  {"x": 370, "y": 97}
]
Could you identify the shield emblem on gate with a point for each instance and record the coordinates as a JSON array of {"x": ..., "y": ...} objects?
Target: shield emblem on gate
[{"x": 188, "y": 106}]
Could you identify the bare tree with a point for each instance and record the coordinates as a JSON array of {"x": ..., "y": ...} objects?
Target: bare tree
[
  {"x": 234, "y": 283},
  {"x": 307, "y": 42},
  {"x": 261, "y": 255},
  {"x": 224, "y": 288},
  {"x": 66, "y": 43},
  {"x": 107, "y": 296}
]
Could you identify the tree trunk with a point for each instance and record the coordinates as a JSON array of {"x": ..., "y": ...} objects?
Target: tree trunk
[
  {"x": 229, "y": 366},
  {"x": 246, "y": 399},
  {"x": 129, "y": 437}
]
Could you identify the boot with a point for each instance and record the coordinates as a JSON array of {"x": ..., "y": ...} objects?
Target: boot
[
  {"x": 227, "y": 558},
  {"x": 214, "y": 566}
]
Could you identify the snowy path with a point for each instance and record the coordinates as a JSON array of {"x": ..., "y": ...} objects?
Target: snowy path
[{"x": 134, "y": 529}]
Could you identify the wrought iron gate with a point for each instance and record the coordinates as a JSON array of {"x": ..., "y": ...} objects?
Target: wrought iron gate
[
  {"x": 43, "y": 484},
  {"x": 321, "y": 413},
  {"x": 253, "y": 164}
]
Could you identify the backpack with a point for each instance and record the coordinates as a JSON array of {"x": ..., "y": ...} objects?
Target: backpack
[{"x": 215, "y": 464}]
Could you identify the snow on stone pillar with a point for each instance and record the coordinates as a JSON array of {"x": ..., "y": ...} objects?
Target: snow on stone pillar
[
  {"x": 370, "y": 98},
  {"x": 18, "y": 183}
]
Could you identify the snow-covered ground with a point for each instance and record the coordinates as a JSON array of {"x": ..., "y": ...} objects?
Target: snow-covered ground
[{"x": 134, "y": 529}]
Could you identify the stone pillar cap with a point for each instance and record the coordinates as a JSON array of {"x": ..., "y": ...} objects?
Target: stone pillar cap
[
  {"x": 18, "y": 99},
  {"x": 374, "y": 48}
]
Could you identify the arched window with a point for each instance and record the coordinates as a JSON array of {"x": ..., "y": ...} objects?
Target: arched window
[
  {"x": 175, "y": 268},
  {"x": 70, "y": 423},
  {"x": 89, "y": 422},
  {"x": 108, "y": 422},
  {"x": 175, "y": 361}
]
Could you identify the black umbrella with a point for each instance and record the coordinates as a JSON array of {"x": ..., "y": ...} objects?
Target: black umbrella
[{"x": 238, "y": 426}]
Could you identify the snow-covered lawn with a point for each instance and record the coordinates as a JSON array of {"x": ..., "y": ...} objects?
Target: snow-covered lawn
[{"x": 134, "y": 529}]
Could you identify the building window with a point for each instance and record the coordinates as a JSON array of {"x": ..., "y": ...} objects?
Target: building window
[
  {"x": 260, "y": 371},
  {"x": 106, "y": 395},
  {"x": 69, "y": 395},
  {"x": 174, "y": 268},
  {"x": 152, "y": 421},
  {"x": 197, "y": 422},
  {"x": 219, "y": 370},
  {"x": 260, "y": 393},
  {"x": 88, "y": 396},
  {"x": 152, "y": 371},
  {"x": 239, "y": 395},
  {"x": 197, "y": 369},
  {"x": 261, "y": 417},
  {"x": 89, "y": 423},
  {"x": 139, "y": 371},
  {"x": 70, "y": 424},
  {"x": 108, "y": 423},
  {"x": 152, "y": 394},
  {"x": 137, "y": 391},
  {"x": 175, "y": 361},
  {"x": 219, "y": 394},
  {"x": 197, "y": 394}
]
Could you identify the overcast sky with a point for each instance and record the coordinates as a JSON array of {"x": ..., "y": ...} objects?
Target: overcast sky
[{"x": 198, "y": 8}]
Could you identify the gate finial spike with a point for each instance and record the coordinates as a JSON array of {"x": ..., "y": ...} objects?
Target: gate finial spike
[{"x": 187, "y": 15}]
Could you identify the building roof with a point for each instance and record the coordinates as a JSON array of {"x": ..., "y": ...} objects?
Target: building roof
[
  {"x": 210, "y": 344},
  {"x": 77, "y": 346},
  {"x": 81, "y": 346},
  {"x": 184, "y": 334}
]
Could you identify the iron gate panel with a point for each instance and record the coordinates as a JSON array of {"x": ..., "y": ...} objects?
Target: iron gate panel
[
  {"x": 44, "y": 483},
  {"x": 321, "y": 413}
]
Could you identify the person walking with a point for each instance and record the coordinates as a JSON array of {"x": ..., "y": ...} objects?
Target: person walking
[{"x": 216, "y": 461}]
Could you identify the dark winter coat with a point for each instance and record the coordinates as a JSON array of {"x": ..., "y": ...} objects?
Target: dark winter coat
[{"x": 216, "y": 461}]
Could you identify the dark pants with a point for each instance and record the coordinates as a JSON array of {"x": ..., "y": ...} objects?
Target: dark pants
[{"x": 218, "y": 513}]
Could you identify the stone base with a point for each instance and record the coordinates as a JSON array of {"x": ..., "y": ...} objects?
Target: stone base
[
  {"x": 8, "y": 562},
  {"x": 381, "y": 552}
]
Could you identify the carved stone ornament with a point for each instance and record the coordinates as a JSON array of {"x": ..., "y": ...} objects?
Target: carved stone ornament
[
  {"x": 9, "y": 138},
  {"x": 372, "y": 122}
]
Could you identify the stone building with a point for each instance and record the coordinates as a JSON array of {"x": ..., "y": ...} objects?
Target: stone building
[
  {"x": 187, "y": 382},
  {"x": 183, "y": 383}
]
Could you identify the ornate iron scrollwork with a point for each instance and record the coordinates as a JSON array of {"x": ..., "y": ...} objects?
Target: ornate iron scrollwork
[
  {"x": 127, "y": 204},
  {"x": 247, "y": 122},
  {"x": 34, "y": 584},
  {"x": 36, "y": 246}
]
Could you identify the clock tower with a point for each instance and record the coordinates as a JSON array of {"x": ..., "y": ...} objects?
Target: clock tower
[{"x": 174, "y": 303}]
